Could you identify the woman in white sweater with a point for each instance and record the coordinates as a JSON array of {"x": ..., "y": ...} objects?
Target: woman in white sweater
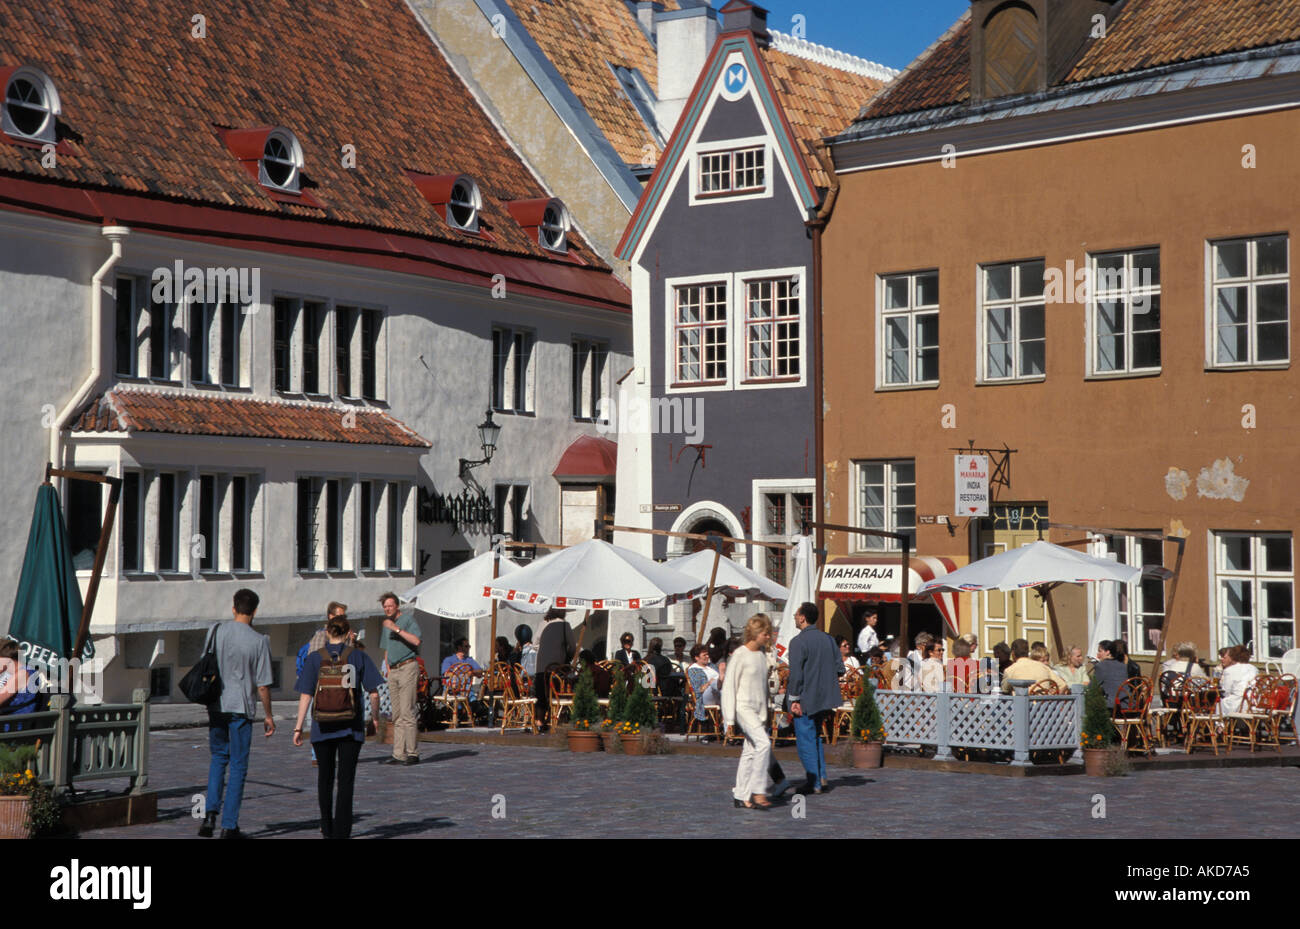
[{"x": 744, "y": 705}]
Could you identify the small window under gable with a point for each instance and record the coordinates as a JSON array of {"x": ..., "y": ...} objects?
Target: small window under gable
[
  {"x": 273, "y": 157},
  {"x": 545, "y": 219},
  {"x": 455, "y": 196},
  {"x": 31, "y": 105}
]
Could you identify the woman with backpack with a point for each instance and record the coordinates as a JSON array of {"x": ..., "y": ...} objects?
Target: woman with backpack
[{"x": 333, "y": 683}]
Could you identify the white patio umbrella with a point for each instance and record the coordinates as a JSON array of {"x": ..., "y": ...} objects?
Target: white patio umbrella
[
  {"x": 801, "y": 591},
  {"x": 731, "y": 576},
  {"x": 458, "y": 592},
  {"x": 1106, "y": 611},
  {"x": 1040, "y": 565},
  {"x": 594, "y": 575}
]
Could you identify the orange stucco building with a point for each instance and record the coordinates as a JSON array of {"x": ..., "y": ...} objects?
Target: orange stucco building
[{"x": 1073, "y": 242}]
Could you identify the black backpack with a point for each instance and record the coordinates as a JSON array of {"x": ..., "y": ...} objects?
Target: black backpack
[{"x": 202, "y": 683}]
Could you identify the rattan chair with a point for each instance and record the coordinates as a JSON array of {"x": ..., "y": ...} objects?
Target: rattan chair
[
  {"x": 1132, "y": 700},
  {"x": 1254, "y": 715},
  {"x": 560, "y": 697},
  {"x": 1169, "y": 713},
  {"x": 842, "y": 719},
  {"x": 1044, "y": 688},
  {"x": 695, "y": 685},
  {"x": 457, "y": 691},
  {"x": 1284, "y": 693},
  {"x": 1201, "y": 719},
  {"x": 519, "y": 710},
  {"x": 495, "y": 682}
]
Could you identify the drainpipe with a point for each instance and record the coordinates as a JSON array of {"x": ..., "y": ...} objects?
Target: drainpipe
[
  {"x": 115, "y": 235},
  {"x": 817, "y": 224}
]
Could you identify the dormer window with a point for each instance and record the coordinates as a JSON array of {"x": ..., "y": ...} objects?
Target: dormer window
[
  {"x": 281, "y": 161},
  {"x": 554, "y": 231},
  {"x": 1011, "y": 51},
  {"x": 464, "y": 205},
  {"x": 31, "y": 106}
]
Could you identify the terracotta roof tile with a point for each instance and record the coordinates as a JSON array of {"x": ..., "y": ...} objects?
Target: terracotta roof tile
[
  {"x": 142, "y": 101},
  {"x": 582, "y": 38},
  {"x": 819, "y": 100},
  {"x": 1143, "y": 34},
  {"x": 126, "y": 409}
]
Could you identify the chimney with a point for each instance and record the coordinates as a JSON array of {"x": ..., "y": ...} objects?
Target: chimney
[
  {"x": 645, "y": 16},
  {"x": 684, "y": 38},
  {"x": 742, "y": 16}
]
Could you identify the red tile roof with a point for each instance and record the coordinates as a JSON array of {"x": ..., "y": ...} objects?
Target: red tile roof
[
  {"x": 588, "y": 456},
  {"x": 127, "y": 409},
  {"x": 142, "y": 102},
  {"x": 1142, "y": 34},
  {"x": 582, "y": 38}
]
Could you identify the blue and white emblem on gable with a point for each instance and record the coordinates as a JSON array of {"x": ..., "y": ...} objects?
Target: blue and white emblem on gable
[{"x": 735, "y": 79}]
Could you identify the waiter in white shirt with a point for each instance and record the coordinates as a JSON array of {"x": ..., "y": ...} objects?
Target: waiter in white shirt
[{"x": 867, "y": 638}]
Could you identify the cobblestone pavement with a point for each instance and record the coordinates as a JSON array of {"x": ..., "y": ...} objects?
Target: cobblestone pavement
[{"x": 453, "y": 791}]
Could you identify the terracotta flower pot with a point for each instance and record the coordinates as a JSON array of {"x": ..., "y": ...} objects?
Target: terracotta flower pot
[
  {"x": 584, "y": 740},
  {"x": 1094, "y": 762},
  {"x": 868, "y": 754},
  {"x": 13, "y": 817},
  {"x": 632, "y": 744}
]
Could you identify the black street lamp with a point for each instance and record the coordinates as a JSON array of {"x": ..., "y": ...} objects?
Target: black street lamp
[{"x": 488, "y": 432}]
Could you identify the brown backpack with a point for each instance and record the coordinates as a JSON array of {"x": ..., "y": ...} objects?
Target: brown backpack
[{"x": 336, "y": 699}]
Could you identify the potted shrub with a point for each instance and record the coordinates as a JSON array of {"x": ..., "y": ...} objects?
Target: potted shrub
[
  {"x": 615, "y": 712},
  {"x": 639, "y": 719},
  {"x": 1098, "y": 730},
  {"x": 17, "y": 784},
  {"x": 868, "y": 730},
  {"x": 585, "y": 715}
]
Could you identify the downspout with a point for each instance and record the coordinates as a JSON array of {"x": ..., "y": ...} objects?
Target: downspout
[
  {"x": 115, "y": 235},
  {"x": 817, "y": 225}
]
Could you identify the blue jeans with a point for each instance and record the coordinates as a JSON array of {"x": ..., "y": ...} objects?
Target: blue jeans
[
  {"x": 808, "y": 743},
  {"x": 230, "y": 738}
]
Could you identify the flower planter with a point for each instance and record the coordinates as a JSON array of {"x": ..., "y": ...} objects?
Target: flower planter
[
  {"x": 1094, "y": 762},
  {"x": 633, "y": 745},
  {"x": 14, "y": 817},
  {"x": 610, "y": 739},
  {"x": 868, "y": 754},
  {"x": 584, "y": 740}
]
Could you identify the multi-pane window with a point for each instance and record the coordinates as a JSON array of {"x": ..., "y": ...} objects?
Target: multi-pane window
[
  {"x": 1014, "y": 325},
  {"x": 162, "y": 340},
  {"x": 886, "y": 501},
  {"x": 1125, "y": 308},
  {"x": 304, "y": 332},
  {"x": 284, "y": 319},
  {"x": 396, "y": 498},
  {"x": 131, "y": 535},
  {"x": 313, "y": 327},
  {"x": 371, "y": 367},
  {"x": 241, "y": 495},
  {"x": 130, "y": 312},
  {"x": 512, "y": 510},
  {"x": 232, "y": 337},
  {"x": 1251, "y": 300},
  {"x": 85, "y": 519},
  {"x": 910, "y": 329},
  {"x": 700, "y": 334},
  {"x": 732, "y": 172},
  {"x": 512, "y": 370},
  {"x": 772, "y": 341},
  {"x": 170, "y": 496},
  {"x": 1142, "y": 603},
  {"x": 1255, "y": 580},
  {"x": 587, "y": 378},
  {"x": 163, "y": 533},
  {"x": 320, "y": 524},
  {"x": 366, "y": 514},
  {"x": 209, "y": 521},
  {"x": 344, "y": 320},
  {"x": 783, "y": 512}
]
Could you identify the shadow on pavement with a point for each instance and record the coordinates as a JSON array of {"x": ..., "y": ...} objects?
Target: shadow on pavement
[
  {"x": 395, "y": 830},
  {"x": 272, "y": 830}
]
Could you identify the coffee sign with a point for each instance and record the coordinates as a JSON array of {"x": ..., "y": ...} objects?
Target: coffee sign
[{"x": 971, "y": 481}]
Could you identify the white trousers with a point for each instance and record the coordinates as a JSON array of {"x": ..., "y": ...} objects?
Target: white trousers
[{"x": 751, "y": 775}]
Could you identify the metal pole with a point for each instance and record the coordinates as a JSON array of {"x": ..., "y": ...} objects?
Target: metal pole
[
  {"x": 492, "y": 640},
  {"x": 708, "y": 598}
]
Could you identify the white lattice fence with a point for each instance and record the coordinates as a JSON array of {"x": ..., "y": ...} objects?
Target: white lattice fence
[
  {"x": 983, "y": 721},
  {"x": 910, "y": 718},
  {"x": 1052, "y": 723}
]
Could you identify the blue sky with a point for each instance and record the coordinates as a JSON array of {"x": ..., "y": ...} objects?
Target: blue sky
[{"x": 892, "y": 32}]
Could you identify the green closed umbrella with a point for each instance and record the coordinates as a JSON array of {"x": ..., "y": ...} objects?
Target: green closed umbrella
[{"x": 47, "y": 607}]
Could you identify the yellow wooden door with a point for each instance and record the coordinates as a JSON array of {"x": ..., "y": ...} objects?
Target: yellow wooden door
[{"x": 1013, "y": 614}]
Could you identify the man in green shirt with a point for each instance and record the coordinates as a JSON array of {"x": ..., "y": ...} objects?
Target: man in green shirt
[{"x": 401, "y": 642}]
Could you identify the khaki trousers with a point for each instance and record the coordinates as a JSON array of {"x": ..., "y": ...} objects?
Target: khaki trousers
[{"x": 403, "y": 684}]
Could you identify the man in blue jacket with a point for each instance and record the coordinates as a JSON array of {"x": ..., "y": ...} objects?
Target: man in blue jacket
[{"x": 812, "y": 693}]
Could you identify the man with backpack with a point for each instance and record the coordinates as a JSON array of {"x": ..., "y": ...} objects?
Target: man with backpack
[
  {"x": 244, "y": 662},
  {"x": 317, "y": 642},
  {"x": 332, "y": 682}
]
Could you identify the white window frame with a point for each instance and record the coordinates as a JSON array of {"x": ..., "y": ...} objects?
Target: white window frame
[
  {"x": 746, "y": 324},
  {"x": 761, "y": 531},
  {"x": 1252, "y": 282},
  {"x": 737, "y": 284},
  {"x": 1133, "y": 594},
  {"x": 731, "y": 147},
  {"x": 1016, "y": 303},
  {"x": 1126, "y": 294},
  {"x": 506, "y": 391},
  {"x": 869, "y": 543},
  {"x": 913, "y": 312},
  {"x": 589, "y": 366},
  {"x": 1256, "y": 577}
]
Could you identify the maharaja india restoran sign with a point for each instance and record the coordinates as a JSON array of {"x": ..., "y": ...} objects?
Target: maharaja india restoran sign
[{"x": 865, "y": 579}]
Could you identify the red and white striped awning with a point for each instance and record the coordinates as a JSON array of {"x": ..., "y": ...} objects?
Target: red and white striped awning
[{"x": 878, "y": 579}]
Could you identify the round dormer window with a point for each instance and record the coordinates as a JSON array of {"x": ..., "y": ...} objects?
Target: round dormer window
[
  {"x": 463, "y": 209},
  {"x": 281, "y": 161},
  {"x": 554, "y": 231},
  {"x": 31, "y": 106}
]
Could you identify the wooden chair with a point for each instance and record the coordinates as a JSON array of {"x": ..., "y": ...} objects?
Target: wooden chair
[
  {"x": 560, "y": 696},
  {"x": 1255, "y": 713},
  {"x": 1169, "y": 713},
  {"x": 780, "y": 718},
  {"x": 519, "y": 710},
  {"x": 1044, "y": 688},
  {"x": 1132, "y": 700},
  {"x": 695, "y": 685},
  {"x": 1284, "y": 708},
  {"x": 878, "y": 678},
  {"x": 1201, "y": 719},
  {"x": 850, "y": 689},
  {"x": 457, "y": 691},
  {"x": 495, "y": 682}
]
